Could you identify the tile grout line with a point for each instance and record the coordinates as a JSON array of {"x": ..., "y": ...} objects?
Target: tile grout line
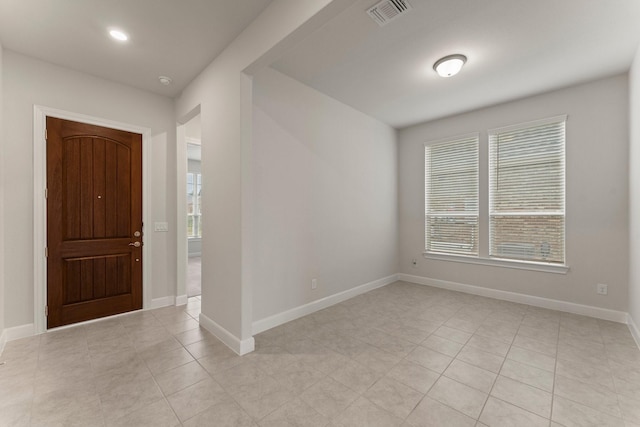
[
  {"x": 555, "y": 370},
  {"x": 500, "y": 370},
  {"x": 615, "y": 386}
]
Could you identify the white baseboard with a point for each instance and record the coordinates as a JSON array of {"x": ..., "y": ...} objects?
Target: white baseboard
[
  {"x": 167, "y": 301},
  {"x": 17, "y": 332},
  {"x": 234, "y": 343},
  {"x": 635, "y": 332},
  {"x": 585, "y": 310},
  {"x": 23, "y": 331},
  {"x": 162, "y": 302},
  {"x": 3, "y": 341},
  {"x": 303, "y": 310}
]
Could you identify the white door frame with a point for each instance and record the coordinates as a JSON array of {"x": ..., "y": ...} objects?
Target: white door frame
[
  {"x": 182, "y": 251},
  {"x": 40, "y": 114}
]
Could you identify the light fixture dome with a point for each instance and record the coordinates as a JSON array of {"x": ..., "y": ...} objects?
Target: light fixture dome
[
  {"x": 164, "y": 80},
  {"x": 449, "y": 65},
  {"x": 119, "y": 35}
]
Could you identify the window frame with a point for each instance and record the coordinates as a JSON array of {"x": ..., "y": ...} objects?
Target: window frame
[
  {"x": 196, "y": 215},
  {"x": 452, "y": 140},
  {"x": 483, "y": 257},
  {"x": 492, "y": 133}
]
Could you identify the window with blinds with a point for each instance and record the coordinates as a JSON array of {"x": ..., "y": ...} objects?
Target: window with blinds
[
  {"x": 451, "y": 196},
  {"x": 527, "y": 191}
]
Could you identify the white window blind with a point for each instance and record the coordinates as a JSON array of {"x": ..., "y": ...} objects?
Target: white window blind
[
  {"x": 451, "y": 196},
  {"x": 527, "y": 191}
]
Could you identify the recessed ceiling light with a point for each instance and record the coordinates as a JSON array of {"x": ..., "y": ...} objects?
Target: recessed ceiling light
[
  {"x": 165, "y": 80},
  {"x": 449, "y": 65},
  {"x": 119, "y": 35}
]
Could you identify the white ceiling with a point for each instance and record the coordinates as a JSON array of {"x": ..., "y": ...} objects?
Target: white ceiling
[
  {"x": 515, "y": 48},
  {"x": 175, "y": 38}
]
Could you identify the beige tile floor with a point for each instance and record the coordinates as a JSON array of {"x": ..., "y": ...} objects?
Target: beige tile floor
[{"x": 404, "y": 355}]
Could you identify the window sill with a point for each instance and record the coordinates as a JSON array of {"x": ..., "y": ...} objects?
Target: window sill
[
  {"x": 194, "y": 239},
  {"x": 497, "y": 262}
]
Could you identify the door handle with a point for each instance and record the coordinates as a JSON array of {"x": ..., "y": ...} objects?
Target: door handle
[{"x": 136, "y": 244}]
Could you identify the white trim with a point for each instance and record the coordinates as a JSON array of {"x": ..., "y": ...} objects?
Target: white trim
[
  {"x": 18, "y": 332},
  {"x": 303, "y": 310},
  {"x": 456, "y": 138},
  {"x": 162, "y": 302},
  {"x": 241, "y": 347},
  {"x": 246, "y": 207},
  {"x": 552, "y": 304},
  {"x": 635, "y": 332},
  {"x": 40, "y": 113},
  {"x": 28, "y": 330},
  {"x": 182, "y": 243},
  {"x": 497, "y": 262},
  {"x": 532, "y": 123}
]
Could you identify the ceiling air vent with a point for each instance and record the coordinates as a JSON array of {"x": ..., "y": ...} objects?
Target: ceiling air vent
[{"x": 388, "y": 10}]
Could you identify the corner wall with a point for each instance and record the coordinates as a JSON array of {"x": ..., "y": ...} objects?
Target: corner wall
[
  {"x": 2, "y": 169},
  {"x": 223, "y": 92},
  {"x": 634, "y": 198},
  {"x": 597, "y": 209},
  {"x": 29, "y": 81},
  {"x": 324, "y": 197}
]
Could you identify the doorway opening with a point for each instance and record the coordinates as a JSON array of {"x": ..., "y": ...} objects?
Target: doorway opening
[
  {"x": 140, "y": 259},
  {"x": 194, "y": 217},
  {"x": 189, "y": 215},
  {"x": 94, "y": 221}
]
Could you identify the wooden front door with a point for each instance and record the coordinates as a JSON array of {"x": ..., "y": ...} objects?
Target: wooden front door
[{"x": 94, "y": 222}]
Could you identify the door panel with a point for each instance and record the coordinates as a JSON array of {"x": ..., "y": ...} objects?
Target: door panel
[{"x": 94, "y": 207}]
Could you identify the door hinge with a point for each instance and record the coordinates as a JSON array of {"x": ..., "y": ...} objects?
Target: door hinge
[
  {"x": 46, "y": 310},
  {"x": 46, "y": 251},
  {"x": 46, "y": 136},
  {"x": 46, "y": 193}
]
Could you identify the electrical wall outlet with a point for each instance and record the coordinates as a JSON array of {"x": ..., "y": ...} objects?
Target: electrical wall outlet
[
  {"x": 314, "y": 283},
  {"x": 414, "y": 263},
  {"x": 602, "y": 289}
]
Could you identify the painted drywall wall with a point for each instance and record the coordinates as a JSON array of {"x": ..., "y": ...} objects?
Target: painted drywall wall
[
  {"x": 596, "y": 202},
  {"x": 223, "y": 93},
  {"x": 324, "y": 196},
  {"x": 28, "y": 81},
  {"x": 634, "y": 194},
  {"x": 2, "y": 202}
]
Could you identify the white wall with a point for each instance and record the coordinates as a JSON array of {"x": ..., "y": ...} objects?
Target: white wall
[
  {"x": 224, "y": 96},
  {"x": 325, "y": 196},
  {"x": 29, "y": 81},
  {"x": 2, "y": 202},
  {"x": 634, "y": 196},
  {"x": 597, "y": 194}
]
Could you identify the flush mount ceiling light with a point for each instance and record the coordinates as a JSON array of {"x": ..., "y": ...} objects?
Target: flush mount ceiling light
[
  {"x": 164, "y": 80},
  {"x": 119, "y": 35},
  {"x": 449, "y": 65}
]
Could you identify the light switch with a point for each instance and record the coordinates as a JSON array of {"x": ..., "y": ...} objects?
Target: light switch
[{"x": 161, "y": 226}]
